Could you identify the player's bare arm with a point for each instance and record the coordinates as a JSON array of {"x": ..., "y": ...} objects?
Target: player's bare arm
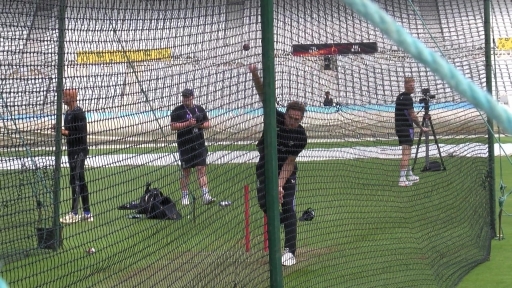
[
  {"x": 416, "y": 120},
  {"x": 284, "y": 174},
  {"x": 287, "y": 170},
  {"x": 63, "y": 131},
  {"x": 205, "y": 125},
  {"x": 182, "y": 125},
  {"x": 258, "y": 83}
]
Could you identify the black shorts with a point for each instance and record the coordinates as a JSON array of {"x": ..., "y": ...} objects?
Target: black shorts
[
  {"x": 192, "y": 157},
  {"x": 405, "y": 136}
]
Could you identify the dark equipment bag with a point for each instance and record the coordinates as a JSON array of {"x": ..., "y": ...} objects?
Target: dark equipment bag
[
  {"x": 155, "y": 205},
  {"x": 433, "y": 166}
]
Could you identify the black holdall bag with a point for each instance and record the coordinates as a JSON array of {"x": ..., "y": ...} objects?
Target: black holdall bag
[
  {"x": 434, "y": 166},
  {"x": 164, "y": 208},
  {"x": 150, "y": 195},
  {"x": 155, "y": 205}
]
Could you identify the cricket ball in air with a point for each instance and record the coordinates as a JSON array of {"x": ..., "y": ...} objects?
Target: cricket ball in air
[{"x": 246, "y": 47}]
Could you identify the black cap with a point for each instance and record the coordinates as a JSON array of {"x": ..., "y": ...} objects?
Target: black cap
[
  {"x": 187, "y": 92},
  {"x": 307, "y": 215}
]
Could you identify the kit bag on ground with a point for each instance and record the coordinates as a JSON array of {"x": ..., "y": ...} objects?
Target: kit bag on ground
[{"x": 155, "y": 205}]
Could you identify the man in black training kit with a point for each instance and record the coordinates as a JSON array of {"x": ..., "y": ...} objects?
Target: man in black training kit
[
  {"x": 75, "y": 131},
  {"x": 291, "y": 140},
  {"x": 190, "y": 120},
  {"x": 328, "y": 101},
  {"x": 405, "y": 116}
]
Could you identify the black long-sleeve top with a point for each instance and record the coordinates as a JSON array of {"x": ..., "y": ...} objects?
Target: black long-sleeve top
[{"x": 75, "y": 123}]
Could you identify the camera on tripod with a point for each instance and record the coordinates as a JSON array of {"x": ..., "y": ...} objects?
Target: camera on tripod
[
  {"x": 427, "y": 96},
  {"x": 427, "y": 123}
]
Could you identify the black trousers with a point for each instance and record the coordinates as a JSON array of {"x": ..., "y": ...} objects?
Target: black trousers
[
  {"x": 79, "y": 190},
  {"x": 288, "y": 216}
]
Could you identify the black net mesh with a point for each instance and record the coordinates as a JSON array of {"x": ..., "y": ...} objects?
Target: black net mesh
[{"x": 130, "y": 61}]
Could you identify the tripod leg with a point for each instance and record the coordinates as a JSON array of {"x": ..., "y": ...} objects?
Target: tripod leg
[
  {"x": 418, "y": 146},
  {"x": 437, "y": 144},
  {"x": 500, "y": 235}
]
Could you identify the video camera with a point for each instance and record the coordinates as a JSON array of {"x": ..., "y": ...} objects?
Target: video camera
[{"x": 428, "y": 96}]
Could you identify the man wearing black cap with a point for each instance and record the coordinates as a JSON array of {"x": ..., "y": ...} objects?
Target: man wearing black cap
[
  {"x": 190, "y": 120},
  {"x": 291, "y": 140}
]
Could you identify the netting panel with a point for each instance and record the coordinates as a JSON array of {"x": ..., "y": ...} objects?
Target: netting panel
[{"x": 367, "y": 232}]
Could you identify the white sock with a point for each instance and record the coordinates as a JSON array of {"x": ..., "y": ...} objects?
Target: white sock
[
  {"x": 409, "y": 171},
  {"x": 402, "y": 173},
  {"x": 205, "y": 191},
  {"x": 184, "y": 194}
]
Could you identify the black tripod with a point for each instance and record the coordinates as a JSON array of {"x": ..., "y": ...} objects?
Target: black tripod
[{"x": 427, "y": 123}]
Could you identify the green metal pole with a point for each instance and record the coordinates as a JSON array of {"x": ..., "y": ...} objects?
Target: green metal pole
[
  {"x": 270, "y": 138},
  {"x": 490, "y": 134},
  {"x": 58, "y": 119}
]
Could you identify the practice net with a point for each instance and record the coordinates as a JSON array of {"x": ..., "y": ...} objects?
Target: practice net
[{"x": 130, "y": 60}]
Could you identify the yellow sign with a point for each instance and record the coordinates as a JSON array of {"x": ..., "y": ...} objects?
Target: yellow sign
[
  {"x": 504, "y": 43},
  {"x": 119, "y": 56}
]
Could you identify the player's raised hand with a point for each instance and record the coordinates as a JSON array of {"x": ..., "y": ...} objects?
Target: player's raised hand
[
  {"x": 280, "y": 194},
  {"x": 253, "y": 68}
]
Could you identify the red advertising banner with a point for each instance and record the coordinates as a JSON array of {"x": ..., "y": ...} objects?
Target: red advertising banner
[{"x": 334, "y": 49}]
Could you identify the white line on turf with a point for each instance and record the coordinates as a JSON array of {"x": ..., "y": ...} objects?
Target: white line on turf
[{"x": 221, "y": 157}]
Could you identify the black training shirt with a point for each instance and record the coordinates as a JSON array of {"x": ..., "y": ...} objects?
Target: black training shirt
[
  {"x": 290, "y": 142},
  {"x": 190, "y": 137},
  {"x": 75, "y": 123},
  {"x": 328, "y": 102},
  {"x": 402, "y": 105}
]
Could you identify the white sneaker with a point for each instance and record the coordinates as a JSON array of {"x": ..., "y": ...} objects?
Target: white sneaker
[
  {"x": 207, "y": 199},
  {"x": 413, "y": 178},
  {"x": 87, "y": 218},
  {"x": 288, "y": 259},
  {"x": 403, "y": 182},
  {"x": 185, "y": 201},
  {"x": 70, "y": 218}
]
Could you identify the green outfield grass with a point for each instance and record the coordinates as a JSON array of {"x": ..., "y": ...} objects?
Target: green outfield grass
[{"x": 368, "y": 231}]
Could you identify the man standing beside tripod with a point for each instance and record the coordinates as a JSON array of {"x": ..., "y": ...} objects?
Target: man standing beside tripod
[{"x": 405, "y": 117}]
